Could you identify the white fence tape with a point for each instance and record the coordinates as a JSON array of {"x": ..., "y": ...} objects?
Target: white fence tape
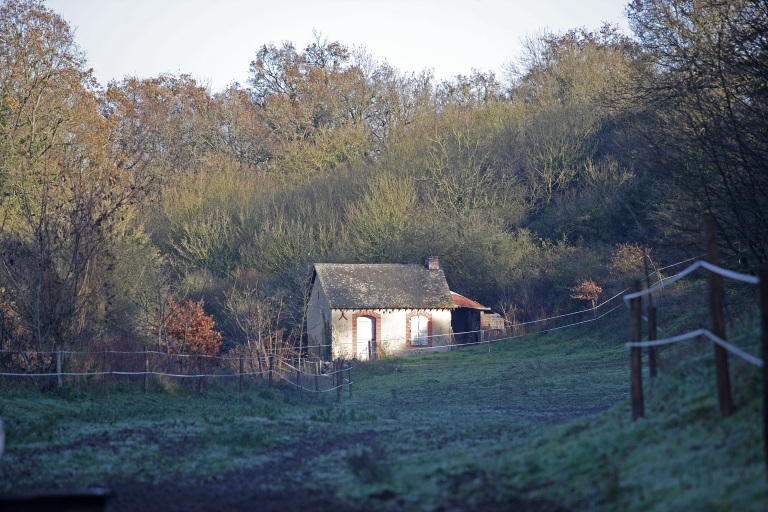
[
  {"x": 745, "y": 278},
  {"x": 730, "y": 274},
  {"x": 695, "y": 334}
]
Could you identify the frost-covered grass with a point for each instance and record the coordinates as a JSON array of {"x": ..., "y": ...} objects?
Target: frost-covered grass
[{"x": 542, "y": 418}]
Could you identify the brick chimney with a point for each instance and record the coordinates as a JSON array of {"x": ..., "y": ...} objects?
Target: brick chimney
[{"x": 432, "y": 263}]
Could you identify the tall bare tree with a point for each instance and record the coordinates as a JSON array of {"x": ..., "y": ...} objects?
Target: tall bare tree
[{"x": 711, "y": 101}]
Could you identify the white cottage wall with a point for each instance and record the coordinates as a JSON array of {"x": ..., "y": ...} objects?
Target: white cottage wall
[
  {"x": 342, "y": 333},
  {"x": 318, "y": 318},
  {"x": 392, "y": 331},
  {"x": 441, "y": 327}
]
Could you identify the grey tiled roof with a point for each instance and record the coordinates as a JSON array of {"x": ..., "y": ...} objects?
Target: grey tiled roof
[{"x": 383, "y": 286}]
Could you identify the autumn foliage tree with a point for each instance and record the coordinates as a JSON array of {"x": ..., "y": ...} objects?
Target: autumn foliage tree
[
  {"x": 65, "y": 192},
  {"x": 324, "y": 105},
  {"x": 168, "y": 122},
  {"x": 189, "y": 330},
  {"x": 587, "y": 289}
]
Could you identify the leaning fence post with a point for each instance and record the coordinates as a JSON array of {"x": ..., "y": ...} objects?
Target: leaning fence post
[
  {"x": 635, "y": 357},
  {"x": 763, "y": 275},
  {"x": 653, "y": 352},
  {"x": 717, "y": 309},
  {"x": 270, "y": 370}
]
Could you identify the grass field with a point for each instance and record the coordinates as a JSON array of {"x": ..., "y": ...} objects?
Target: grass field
[{"x": 539, "y": 423}]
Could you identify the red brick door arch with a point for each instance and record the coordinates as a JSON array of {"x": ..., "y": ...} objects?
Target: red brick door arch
[{"x": 374, "y": 350}]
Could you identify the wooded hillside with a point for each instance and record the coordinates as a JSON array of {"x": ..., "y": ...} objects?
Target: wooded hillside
[{"x": 153, "y": 202}]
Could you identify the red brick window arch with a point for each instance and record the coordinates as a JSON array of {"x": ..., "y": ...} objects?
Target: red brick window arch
[{"x": 418, "y": 329}]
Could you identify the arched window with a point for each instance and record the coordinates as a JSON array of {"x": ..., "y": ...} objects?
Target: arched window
[{"x": 419, "y": 330}]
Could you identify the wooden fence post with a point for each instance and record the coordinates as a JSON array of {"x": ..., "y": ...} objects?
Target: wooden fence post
[
  {"x": 170, "y": 368},
  {"x": 717, "y": 310},
  {"x": 349, "y": 376},
  {"x": 763, "y": 275},
  {"x": 270, "y": 370},
  {"x": 241, "y": 374},
  {"x": 104, "y": 371},
  {"x": 339, "y": 378},
  {"x": 636, "y": 354},
  {"x": 59, "y": 382},
  {"x": 317, "y": 378},
  {"x": 146, "y": 372},
  {"x": 653, "y": 352},
  {"x": 298, "y": 376},
  {"x": 204, "y": 373}
]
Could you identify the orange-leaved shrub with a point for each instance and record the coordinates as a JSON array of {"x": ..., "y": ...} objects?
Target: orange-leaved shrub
[
  {"x": 189, "y": 330},
  {"x": 587, "y": 289}
]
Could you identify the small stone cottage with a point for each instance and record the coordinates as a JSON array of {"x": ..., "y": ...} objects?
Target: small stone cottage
[{"x": 364, "y": 311}]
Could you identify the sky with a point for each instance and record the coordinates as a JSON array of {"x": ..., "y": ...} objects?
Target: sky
[{"x": 215, "y": 40}]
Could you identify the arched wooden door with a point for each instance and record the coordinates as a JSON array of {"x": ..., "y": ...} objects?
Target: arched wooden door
[{"x": 366, "y": 338}]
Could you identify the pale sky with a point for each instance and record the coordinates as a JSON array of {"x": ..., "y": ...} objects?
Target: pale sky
[{"x": 215, "y": 40}]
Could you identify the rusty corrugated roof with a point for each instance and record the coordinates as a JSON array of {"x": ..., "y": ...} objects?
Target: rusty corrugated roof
[
  {"x": 461, "y": 301},
  {"x": 383, "y": 286}
]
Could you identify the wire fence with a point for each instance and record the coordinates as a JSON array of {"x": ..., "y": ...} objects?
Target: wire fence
[
  {"x": 697, "y": 333},
  {"x": 716, "y": 334},
  {"x": 149, "y": 367},
  {"x": 305, "y": 373},
  {"x": 453, "y": 340},
  {"x": 300, "y": 371},
  {"x": 517, "y": 330}
]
